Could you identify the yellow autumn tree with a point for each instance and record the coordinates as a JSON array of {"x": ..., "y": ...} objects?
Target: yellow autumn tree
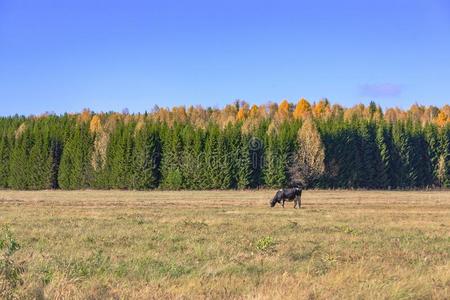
[
  {"x": 442, "y": 119},
  {"x": 441, "y": 170},
  {"x": 228, "y": 115},
  {"x": 198, "y": 116},
  {"x": 322, "y": 109},
  {"x": 101, "y": 140},
  {"x": 20, "y": 130},
  {"x": 140, "y": 124},
  {"x": 241, "y": 115},
  {"x": 416, "y": 111},
  {"x": 283, "y": 110},
  {"x": 391, "y": 115},
  {"x": 308, "y": 162},
  {"x": 254, "y": 111},
  {"x": 179, "y": 114},
  {"x": 84, "y": 116},
  {"x": 95, "y": 124},
  {"x": 302, "y": 109},
  {"x": 255, "y": 115}
]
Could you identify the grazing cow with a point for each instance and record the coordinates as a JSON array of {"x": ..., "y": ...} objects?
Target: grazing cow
[{"x": 294, "y": 194}]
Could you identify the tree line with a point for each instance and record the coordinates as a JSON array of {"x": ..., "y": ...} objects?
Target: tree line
[{"x": 315, "y": 145}]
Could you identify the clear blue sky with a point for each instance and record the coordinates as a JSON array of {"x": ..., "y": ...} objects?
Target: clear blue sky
[{"x": 65, "y": 55}]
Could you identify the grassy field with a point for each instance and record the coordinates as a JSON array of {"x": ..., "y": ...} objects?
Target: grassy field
[{"x": 155, "y": 245}]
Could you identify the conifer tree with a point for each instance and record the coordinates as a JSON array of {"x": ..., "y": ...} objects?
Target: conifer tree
[
  {"x": 121, "y": 169},
  {"x": 40, "y": 162},
  {"x": 330, "y": 132},
  {"x": 423, "y": 164},
  {"x": 407, "y": 176},
  {"x": 75, "y": 171},
  {"x": 4, "y": 158},
  {"x": 354, "y": 157},
  {"x": 431, "y": 135},
  {"x": 257, "y": 154},
  {"x": 192, "y": 166},
  {"x": 56, "y": 153},
  {"x": 18, "y": 164},
  {"x": 270, "y": 171},
  {"x": 370, "y": 157},
  {"x": 171, "y": 159},
  {"x": 244, "y": 163},
  {"x": 224, "y": 158},
  {"x": 386, "y": 170},
  {"x": 145, "y": 161},
  {"x": 444, "y": 158},
  {"x": 217, "y": 160}
]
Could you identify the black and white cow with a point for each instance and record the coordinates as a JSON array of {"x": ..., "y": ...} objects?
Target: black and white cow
[{"x": 283, "y": 195}]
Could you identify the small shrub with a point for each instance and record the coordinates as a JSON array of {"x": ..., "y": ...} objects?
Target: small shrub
[
  {"x": 347, "y": 229},
  {"x": 10, "y": 271},
  {"x": 324, "y": 264},
  {"x": 266, "y": 244}
]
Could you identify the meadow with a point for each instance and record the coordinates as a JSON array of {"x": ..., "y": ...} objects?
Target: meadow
[{"x": 225, "y": 244}]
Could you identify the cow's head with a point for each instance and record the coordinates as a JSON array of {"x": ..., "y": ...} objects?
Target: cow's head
[{"x": 273, "y": 202}]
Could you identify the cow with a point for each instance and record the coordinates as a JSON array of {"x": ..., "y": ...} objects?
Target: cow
[{"x": 293, "y": 194}]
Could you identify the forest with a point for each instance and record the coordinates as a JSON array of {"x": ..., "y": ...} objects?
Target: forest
[{"x": 316, "y": 145}]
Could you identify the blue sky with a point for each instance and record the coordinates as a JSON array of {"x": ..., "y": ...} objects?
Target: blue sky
[{"x": 107, "y": 55}]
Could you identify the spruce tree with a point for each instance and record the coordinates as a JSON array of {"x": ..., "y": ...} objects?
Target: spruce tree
[
  {"x": 56, "y": 153},
  {"x": 18, "y": 164},
  {"x": 171, "y": 174},
  {"x": 119, "y": 157},
  {"x": 444, "y": 158},
  {"x": 354, "y": 157},
  {"x": 4, "y": 158},
  {"x": 385, "y": 169},
  {"x": 193, "y": 166},
  {"x": 113, "y": 160},
  {"x": 225, "y": 163},
  {"x": 407, "y": 176},
  {"x": 270, "y": 170},
  {"x": 337, "y": 156},
  {"x": 217, "y": 160},
  {"x": 431, "y": 135},
  {"x": 370, "y": 157},
  {"x": 40, "y": 162},
  {"x": 124, "y": 157},
  {"x": 146, "y": 158},
  {"x": 244, "y": 163},
  {"x": 75, "y": 171},
  {"x": 423, "y": 164}
]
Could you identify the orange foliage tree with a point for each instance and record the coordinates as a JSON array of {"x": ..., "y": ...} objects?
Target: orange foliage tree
[{"x": 302, "y": 109}]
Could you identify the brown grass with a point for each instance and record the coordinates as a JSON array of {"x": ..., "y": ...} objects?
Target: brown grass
[{"x": 154, "y": 245}]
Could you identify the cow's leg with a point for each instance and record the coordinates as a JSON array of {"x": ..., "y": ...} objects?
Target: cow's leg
[
  {"x": 295, "y": 202},
  {"x": 282, "y": 203},
  {"x": 299, "y": 201}
]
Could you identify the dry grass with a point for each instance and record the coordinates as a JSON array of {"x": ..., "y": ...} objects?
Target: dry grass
[{"x": 154, "y": 245}]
